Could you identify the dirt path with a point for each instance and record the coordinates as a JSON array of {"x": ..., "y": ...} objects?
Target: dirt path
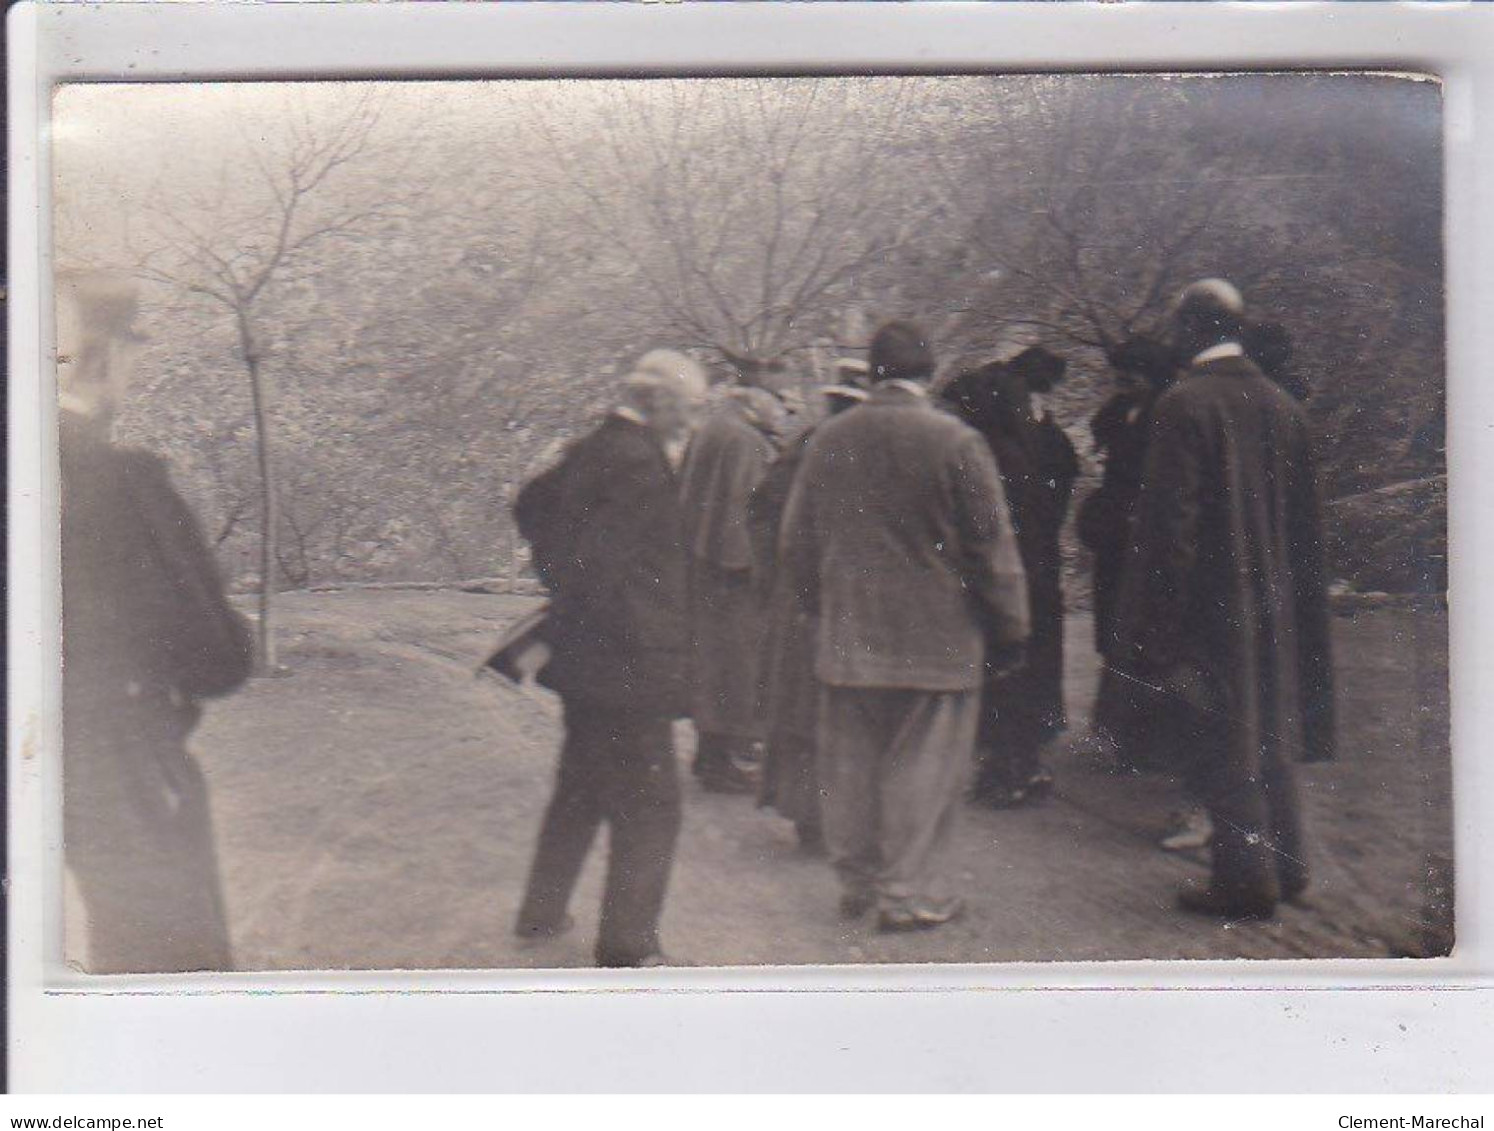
[{"x": 377, "y": 807}]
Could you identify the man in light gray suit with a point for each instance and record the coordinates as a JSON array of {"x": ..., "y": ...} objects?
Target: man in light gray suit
[{"x": 898, "y": 540}]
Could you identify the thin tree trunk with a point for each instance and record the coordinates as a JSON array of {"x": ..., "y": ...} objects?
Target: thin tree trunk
[{"x": 268, "y": 556}]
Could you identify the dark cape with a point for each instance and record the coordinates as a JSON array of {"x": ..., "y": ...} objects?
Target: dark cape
[
  {"x": 147, "y": 635},
  {"x": 1038, "y": 467},
  {"x": 605, "y": 528},
  {"x": 1224, "y": 608}
]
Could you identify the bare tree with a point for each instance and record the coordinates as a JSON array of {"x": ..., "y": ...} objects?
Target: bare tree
[
  {"x": 1085, "y": 215},
  {"x": 744, "y": 211},
  {"x": 275, "y": 202}
]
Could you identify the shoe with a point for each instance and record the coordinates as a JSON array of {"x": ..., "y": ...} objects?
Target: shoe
[
  {"x": 540, "y": 931},
  {"x": 854, "y": 904},
  {"x": 727, "y": 778},
  {"x": 1210, "y": 902},
  {"x": 920, "y": 916},
  {"x": 1193, "y": 829}
]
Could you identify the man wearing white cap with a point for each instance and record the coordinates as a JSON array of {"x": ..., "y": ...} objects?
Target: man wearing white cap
[
  {"x": 606, "y": 531},
  {"x": 1224, "y": 607}
]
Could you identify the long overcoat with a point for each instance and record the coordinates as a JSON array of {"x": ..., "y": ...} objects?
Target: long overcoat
[
  {"x": 1038, "y": 466},
  {"x": 1224, "y": 606},
  {"x": 728, "y": 457}
]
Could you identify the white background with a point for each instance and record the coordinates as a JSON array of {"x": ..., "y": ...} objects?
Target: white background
[{"x": 1331, "y": 1026}]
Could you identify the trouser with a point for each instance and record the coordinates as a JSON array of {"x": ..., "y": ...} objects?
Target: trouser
[
  {"x": 1010, "y": 735},
  {"x": 619, "y": 768},
  {"x": 790, "y": 782},
  {"x": 1258, "y": 854},
  {"x": 138, "y": 840},
  {"x": 893, "y": 766}
]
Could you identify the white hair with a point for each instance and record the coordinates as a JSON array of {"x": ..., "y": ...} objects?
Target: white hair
[{"x": 668, "y": 370}]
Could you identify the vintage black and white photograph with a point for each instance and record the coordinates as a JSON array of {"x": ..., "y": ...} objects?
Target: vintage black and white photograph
[{"x": 735, "y": 521}]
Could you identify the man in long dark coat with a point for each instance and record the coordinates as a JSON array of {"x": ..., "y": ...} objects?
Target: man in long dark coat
[
  {"x": 147, "y": 635},
  {"x": 608, "y": 539},
  {"x": 790, "y": 693},
  {"x": 1225, "y": 609},
  {"x": 897, "y": 540},
  {"x": 1023, "y": 709},
  {"x": 728, "y": 457}
]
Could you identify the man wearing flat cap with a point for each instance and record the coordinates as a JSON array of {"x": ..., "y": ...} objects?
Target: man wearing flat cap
[
  {"x": 1224, "y": 606},
  {"x": 897, "y": 540},
  {"x": 606, "y": 529}
]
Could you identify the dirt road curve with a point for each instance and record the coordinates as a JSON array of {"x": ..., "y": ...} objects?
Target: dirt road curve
[{"x": 376, "y": 809}]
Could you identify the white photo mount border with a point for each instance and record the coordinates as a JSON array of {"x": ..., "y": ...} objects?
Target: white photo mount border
[{"x": 159, "y": 42}]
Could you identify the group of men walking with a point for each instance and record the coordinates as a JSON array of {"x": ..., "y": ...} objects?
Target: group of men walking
[
  {"x": 850, "y": 615},
  {"x": 847, "y": 616}
]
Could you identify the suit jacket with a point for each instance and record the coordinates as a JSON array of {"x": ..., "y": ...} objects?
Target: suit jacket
[
  {"x": 727, "y": 459},
  {"x": 897, "y": 536},
  {"x": 147, "y": 630},
  {"x": 1224, "y": 601},
  {"x": 606, "y": 531}
]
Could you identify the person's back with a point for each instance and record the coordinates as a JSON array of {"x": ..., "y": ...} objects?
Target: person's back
[
  {"x": 898, "y": 546},
  {"x": 605, "y": 525},
  {"x": 1225, "y": 608},
  {"x": 613, "y": 557},
  {"x": 897, "y": 537},
  {"x": 727, "y": 459},
  {"x": 1253, "y": 447}
]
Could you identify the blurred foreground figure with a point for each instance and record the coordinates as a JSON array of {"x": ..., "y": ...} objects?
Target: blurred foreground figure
[
  {"x": 147, "y": 634},
  {"x": 790, "y": 693},
  {"x": 897, "y": 539},
  {"x": 1023, "y": 708},
  {"x": 1225, "y": 609},
  {"x": 727, "y": 459},
  {"x": 606, "y": 529}
]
